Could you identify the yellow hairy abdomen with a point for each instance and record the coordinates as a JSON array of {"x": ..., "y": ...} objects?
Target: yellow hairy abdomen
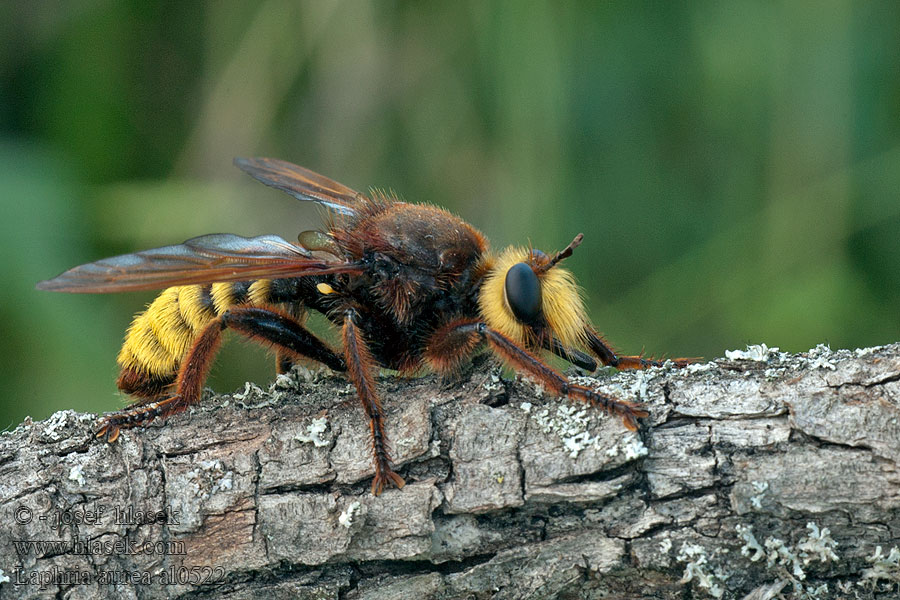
[{"x": 160, "y": 337}]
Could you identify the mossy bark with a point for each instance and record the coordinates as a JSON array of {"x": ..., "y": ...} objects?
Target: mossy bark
[{"x": 727, "y": 491}]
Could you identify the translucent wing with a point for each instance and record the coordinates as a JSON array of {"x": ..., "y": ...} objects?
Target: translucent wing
[
  {"x": 302, "y": 183},
  {"x": 204, "y": 259}
]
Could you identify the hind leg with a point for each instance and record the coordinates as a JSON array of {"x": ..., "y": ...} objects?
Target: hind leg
[{"x": 273, "y": 328}]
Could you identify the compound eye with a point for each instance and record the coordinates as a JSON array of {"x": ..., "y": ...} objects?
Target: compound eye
[{"x": 523, "y": 292}]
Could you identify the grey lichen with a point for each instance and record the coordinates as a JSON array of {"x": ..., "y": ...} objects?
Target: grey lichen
[
  {"x": 787, "y": 562},
  {"x": 314, "y": 433},
  {"x": 571, "y": 424},
  {"x": 698, "y": 569},
  {"x": 348, "y": 514},
  {"x": 745, "y": 532},
  {"x": 756, "y": 352},
  {"x": 760, "y": 487},
  {"x": 820, "y": 358},
  {"x": 76, "y": 473},
  {"x": 884, "y": 568},
  {"x": 818, "y": 545}
]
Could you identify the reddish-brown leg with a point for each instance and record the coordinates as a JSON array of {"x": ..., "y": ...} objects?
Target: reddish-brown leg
[
  {"x": 361, "y": 369},
  {"x": 608, "y": 356},
  {"x": 269, "y": 327},
  {"x": 188, "y": 386},
  {"x": 450, "y": 344}
]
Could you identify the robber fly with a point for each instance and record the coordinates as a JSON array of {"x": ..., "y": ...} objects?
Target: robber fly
[{"x": 409, "y": 285}]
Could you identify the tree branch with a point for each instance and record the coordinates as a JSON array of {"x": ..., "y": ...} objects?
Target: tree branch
[{"x": 767, "y": 478}]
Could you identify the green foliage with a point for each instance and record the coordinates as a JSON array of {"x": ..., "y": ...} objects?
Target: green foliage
[{"x": 735, "y": 167}]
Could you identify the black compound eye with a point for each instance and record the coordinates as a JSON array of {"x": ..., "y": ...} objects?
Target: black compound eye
[{"x": 523, "y": 292}]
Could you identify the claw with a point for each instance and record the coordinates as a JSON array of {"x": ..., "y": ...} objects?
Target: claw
[
  {"x": 111, "y": 432},
  {"x": 380, "y": 480},
  {"x": 685, "y": 361},
  {"x": 639, "y": 413},
  {"x": 135, "y": 416},
  {"x": 113, "y": 435},
  {"x": 630, "y": 422},
  {"x": 398, "y": 481},
  {"x": 630, "y": 412}
]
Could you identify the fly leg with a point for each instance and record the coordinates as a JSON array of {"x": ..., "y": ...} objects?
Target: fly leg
[
  {"x": 451, "y": 344},
  {"x": 269, "y": 327},
  {"x": 608, "y": 356},
  {"x": 361, "y": 369}
]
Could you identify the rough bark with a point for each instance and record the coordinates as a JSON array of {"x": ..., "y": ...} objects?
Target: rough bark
[{"x": 759, "y": 476}]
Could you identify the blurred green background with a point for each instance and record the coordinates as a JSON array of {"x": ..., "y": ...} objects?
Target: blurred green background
[{"x": 735, "y": 167}]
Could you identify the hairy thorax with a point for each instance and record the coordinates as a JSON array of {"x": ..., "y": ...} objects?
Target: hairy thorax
[{"x": 421, "y": 266}]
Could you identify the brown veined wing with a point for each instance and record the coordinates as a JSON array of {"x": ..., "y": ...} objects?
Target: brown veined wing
[
  {"x": 206, "y": 259},
  {"x": 302, "y": 184}
]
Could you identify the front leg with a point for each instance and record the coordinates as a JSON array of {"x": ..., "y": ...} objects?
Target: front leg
[
  {"x": 361, "y": 369},
  {"x": 610, "y": 358},
  {"x": 452, "y": 343}
]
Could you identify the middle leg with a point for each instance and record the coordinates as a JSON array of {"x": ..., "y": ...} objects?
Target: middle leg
[{"x": 361, "y": 369}]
